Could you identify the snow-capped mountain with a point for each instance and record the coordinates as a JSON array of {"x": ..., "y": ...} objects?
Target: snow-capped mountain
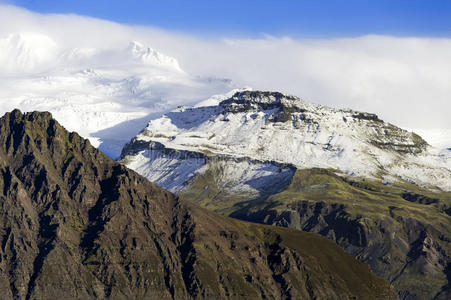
[
  {"x": 266, "y": 134},
  {"x": 106, "y": 94}
]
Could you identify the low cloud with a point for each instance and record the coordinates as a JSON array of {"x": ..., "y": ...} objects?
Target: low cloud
[{"x": 406, "y": 81}]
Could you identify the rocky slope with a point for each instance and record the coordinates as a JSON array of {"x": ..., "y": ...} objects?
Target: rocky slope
[
  {"x": 377, "y": 190},
  {"x": 75, "y": 224}
]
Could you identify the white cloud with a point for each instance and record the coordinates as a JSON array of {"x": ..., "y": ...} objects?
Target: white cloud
[{"x": 406, "y": 81}]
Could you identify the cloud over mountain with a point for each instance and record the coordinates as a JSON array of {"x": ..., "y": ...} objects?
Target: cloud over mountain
[{"x": 404, "y": 80}]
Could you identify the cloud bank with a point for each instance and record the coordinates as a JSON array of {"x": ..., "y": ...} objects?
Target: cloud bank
[{"x": 406, "y": 81}]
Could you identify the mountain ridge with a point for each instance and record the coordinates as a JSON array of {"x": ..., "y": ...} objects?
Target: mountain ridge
[
  {"x": 76, "y": 224},
  {"x": 313, "y": 136}
]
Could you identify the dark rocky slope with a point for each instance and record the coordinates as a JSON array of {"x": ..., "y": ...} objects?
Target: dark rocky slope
[{"x": 74, "y": 224}]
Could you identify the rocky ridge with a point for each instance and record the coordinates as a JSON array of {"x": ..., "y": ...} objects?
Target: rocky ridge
[{"x": 77, "y": 225}]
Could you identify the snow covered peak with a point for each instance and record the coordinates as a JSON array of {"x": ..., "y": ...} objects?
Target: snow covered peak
[
  {"x": 36, "y": 53},
  {"x": 104, "y": 93},
  {"x": 260, "y": 100},
  {"x": 150, "y": 56},
  {"x": 273, "y": 127},
  {"x": 255, "y": 101}
]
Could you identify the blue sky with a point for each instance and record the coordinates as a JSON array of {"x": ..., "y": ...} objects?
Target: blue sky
[{"x": 302, "y": 18}]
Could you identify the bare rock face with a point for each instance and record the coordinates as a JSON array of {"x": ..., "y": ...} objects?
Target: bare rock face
[{"x": 74, "y": 224}]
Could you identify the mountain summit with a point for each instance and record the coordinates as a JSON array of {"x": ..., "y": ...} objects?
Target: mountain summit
[
  {"x": 75, "y": 224},
  {"x": 271, "y": 126}
]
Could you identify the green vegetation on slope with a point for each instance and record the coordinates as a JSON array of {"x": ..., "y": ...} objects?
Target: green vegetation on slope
[
  {"x": 319, "y": 256},
  {"x": 402, "y": 231}
]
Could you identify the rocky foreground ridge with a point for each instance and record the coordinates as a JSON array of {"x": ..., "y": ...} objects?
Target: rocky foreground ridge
[
  {"x": 380, "y": 192},
  {"x": 75, "y": 224}
]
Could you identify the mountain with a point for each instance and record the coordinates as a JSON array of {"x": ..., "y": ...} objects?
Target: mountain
[
  {"x": 106, "y": 94},
  {"x": 380, "y": 192},
  {"x": 76, "y": 224},
  {"x": 269, "y": 126}
]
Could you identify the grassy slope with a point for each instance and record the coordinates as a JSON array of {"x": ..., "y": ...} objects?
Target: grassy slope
[
  {"x": 321, "y": 255},
  {"x": 389, "y": 221}
]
